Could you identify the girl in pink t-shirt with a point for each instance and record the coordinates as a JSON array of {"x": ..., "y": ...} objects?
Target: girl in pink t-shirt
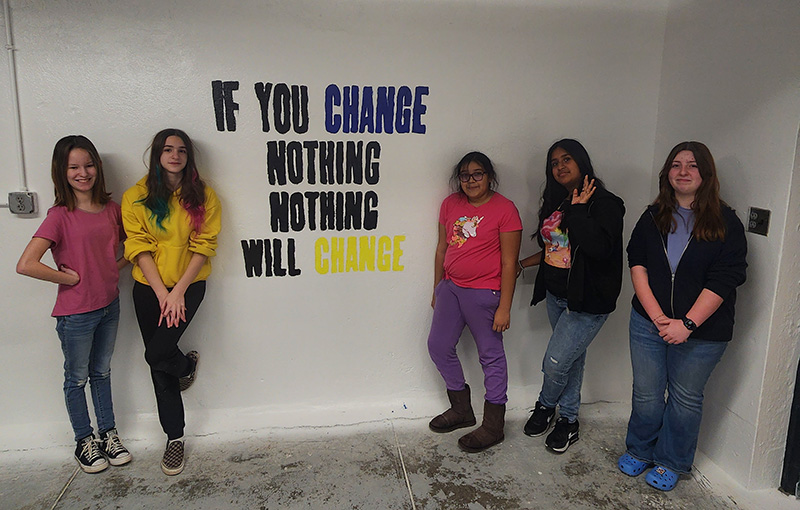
[
  {"x": 83, "y": 231},
  {"x": 474, "y": 274}
]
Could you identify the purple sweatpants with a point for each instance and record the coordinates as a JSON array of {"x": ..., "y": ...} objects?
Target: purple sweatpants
[{"x": 456, "y": 307}]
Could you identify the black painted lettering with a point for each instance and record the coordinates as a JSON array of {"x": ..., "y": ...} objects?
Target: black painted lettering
[
  {"x": 327, "y": 210},
  {"x": 224, "y": 105},
  {"x": 370, "y": 211},
  {"x": 276, "y": 162},
  {"x": 339, "y": 163},
  {"x": 300, "y": 108},
  {"x": 263, "y": 91},
  {"x": 281, "y": 109},
  {"x": 311, "y": 154},
  {"x": 252, "y": 250},
  {"x": 277, "y": 267},
  {"x": 219, "y": 107},
  {"x": 339, "y": 211},
  {"x": 297, "y": 214},
  {"x": 327, "y": 153},
  {"x": 371, "y": 163},
  {"x": 293, "y": 269},
  {"x": 294, "y": 160},
  {"x": 352, "y": 210},
  {"x": 267, "y": 257},
  {"x": 355, "y": 170},
  {"x": 312, "y": 196},
  {"x": 279, "y": 211}
]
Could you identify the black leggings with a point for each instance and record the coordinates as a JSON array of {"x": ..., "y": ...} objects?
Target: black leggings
[{"x": 167, "y": 362}]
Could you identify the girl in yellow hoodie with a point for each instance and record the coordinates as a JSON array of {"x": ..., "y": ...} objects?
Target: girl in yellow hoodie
[{"x": 171, "y": 219}]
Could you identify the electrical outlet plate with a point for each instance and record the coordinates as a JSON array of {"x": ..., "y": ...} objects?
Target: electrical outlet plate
[
  {"x": 22, "y": 202},
  {"x": 758, "y": 221}
]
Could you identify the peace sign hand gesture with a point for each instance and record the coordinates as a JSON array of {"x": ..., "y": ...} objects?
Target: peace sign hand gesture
[{"x": 585, "y": 194}]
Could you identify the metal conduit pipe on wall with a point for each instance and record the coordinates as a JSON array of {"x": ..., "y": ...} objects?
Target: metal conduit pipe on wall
[{"x": 12, "y": 75}]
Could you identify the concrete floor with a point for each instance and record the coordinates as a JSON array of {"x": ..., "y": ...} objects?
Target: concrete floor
[{"x": 395, "y": 464}]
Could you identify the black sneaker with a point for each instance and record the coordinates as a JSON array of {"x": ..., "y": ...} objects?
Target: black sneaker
[
  {"x": 563, "y": 435},
  {"x": 188, "y": 380},
  {"x": 540, "y": 420},
  {"x": 88, "y": 455},
  {"x": 112, "y": 448},
  {"x": 172, "y": 462}
]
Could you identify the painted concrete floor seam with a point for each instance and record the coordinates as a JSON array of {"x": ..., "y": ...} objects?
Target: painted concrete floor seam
[{"x": 403, "y": 465}]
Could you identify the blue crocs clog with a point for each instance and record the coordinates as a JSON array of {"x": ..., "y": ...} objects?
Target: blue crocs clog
[
  {"x": 662, "y": 478},
  {"x": 632, "y": 466}
]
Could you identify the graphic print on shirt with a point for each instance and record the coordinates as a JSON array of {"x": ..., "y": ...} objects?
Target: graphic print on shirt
[
  {"x": 464, "y": 228},
  {"x": 556, "y": 242}
]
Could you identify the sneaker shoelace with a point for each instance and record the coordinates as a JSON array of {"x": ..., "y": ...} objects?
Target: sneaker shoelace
[
  {"x": 91, "y": 451},
  {"x": 114, "y": 444}
]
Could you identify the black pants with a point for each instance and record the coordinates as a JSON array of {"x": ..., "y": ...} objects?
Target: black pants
[{"x": 167, "y": 362}]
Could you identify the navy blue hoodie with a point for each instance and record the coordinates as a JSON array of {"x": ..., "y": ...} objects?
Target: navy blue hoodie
[{"x": 719, "y": 266}]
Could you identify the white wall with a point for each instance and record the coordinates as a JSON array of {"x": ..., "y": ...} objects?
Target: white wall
[
  {"x": 729, "y": 78},
  {"x": 507, "y": 78}
]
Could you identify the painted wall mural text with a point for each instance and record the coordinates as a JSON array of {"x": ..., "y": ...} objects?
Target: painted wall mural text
[{"x": 332, "y": 164}]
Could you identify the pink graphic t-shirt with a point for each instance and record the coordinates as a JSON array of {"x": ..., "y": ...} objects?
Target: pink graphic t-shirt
[
  {"x": 87, "y": 243},
  {"x": 556, "y": 242},
  {"x": 473, "y": 257}
]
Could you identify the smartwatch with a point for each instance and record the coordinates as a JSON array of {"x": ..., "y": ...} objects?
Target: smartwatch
[{"x": 689, "y": 324}]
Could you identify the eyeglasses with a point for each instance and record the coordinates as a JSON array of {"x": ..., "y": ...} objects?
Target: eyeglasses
[{"x": 477, "y": 176}]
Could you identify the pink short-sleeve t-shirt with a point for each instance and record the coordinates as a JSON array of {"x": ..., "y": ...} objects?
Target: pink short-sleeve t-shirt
[
  {"x": 87, "y": 243},
  {"x": 473, "y": 256}
]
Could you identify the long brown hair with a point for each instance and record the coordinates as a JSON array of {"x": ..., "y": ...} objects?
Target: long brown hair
[
  {"x": 709, "y": 225},
  {"x": 192, "y": 187},
  {"x": 58, "y": 171}
]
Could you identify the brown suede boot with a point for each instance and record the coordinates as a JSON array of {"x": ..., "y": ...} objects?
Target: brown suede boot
[
  {"x": 458, "y": 416},
  {"x": 489, "y": 433}
]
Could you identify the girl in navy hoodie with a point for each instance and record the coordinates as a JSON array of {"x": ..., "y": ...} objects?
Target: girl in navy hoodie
[{"x": 687, "y": 256}]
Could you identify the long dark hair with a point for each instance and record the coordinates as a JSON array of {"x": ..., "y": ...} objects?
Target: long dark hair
[
  {"x": 709, "y": 225},
  {"x": 474, "y": 157},
  {"x": 554, "y": 193},
  {"x": 64, "y": 194},
  {"x": 192, "y": 187}
]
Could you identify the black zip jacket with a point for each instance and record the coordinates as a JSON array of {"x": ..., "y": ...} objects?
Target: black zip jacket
[
  {"x": 719, "y": 266},
  {"x": 595, "y": 239}
]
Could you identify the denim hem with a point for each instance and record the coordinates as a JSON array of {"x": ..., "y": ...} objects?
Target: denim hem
[{"x": 679, "y": 471}]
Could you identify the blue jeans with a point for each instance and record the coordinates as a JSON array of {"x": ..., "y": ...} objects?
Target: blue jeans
[
  {"x": 87, "y": 340},
  {"x": 566, "y": 355},
  {"x": 662, "y": 431}
]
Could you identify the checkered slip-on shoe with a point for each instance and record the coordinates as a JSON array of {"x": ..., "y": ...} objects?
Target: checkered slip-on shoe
[
  {"x": 172, "y": 462},
  {"x": 186, "y": 381}
]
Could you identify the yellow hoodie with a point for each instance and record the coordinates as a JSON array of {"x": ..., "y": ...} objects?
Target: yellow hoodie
[{"x": 172, "y": 247}]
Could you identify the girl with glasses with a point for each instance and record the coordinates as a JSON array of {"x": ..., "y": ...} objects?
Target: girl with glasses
[{"x": 474, "y": 278}]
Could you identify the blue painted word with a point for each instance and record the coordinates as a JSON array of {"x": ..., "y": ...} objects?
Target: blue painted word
[{"x": 351, "y": 109}]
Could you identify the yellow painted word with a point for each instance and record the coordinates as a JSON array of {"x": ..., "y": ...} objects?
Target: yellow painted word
[{"x": 365, "y": 253}]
